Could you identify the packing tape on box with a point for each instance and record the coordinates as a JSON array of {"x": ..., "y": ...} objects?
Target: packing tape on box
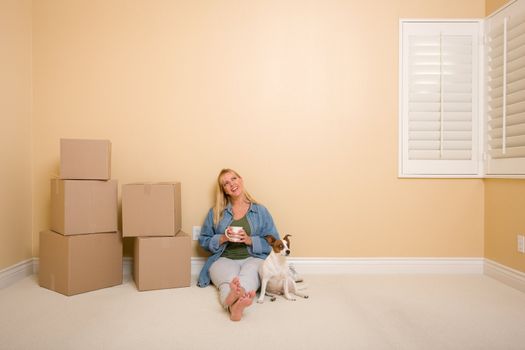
[
  {"x": 92, "y": 207},
  {"x": 56, "y": 184}
]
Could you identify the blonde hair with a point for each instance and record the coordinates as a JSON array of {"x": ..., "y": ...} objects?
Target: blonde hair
[{"x": 222, "y": 199}]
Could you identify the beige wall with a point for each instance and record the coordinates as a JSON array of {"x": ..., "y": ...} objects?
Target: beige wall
[
  {"x": 152, "y": 77},
  {"x": 117, "y": 67},
  {"x": 299, "y": 97},
  {"x": 504, "y": 220},
  {"x": 493, "y": 5},
  {"x": 15, "y": 132}
]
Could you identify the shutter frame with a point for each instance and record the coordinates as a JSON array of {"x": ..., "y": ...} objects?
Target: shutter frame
[
  {"x": 452, "y": 128},
  {"x": 505, "y": 135}
]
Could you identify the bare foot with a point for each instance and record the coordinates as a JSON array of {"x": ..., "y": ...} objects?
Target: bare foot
[
  {"x": 235, "y": 292},
  {"x": 237, "y": 308}
]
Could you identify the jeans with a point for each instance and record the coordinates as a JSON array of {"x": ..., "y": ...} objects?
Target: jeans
[{"x": 224, "y": 270}]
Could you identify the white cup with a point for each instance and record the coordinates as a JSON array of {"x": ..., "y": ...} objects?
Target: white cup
[{"x": 235, "y": 230}]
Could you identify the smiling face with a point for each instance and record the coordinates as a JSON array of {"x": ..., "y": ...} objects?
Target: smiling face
[{"x": 232, "y": 184}]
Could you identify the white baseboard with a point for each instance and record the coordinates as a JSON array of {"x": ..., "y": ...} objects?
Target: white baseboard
[
  {"x": 16, "y": 272},
  {"x": 127, "y": 266},
  {"x": 310, "y": 266},
  {"x": 388, "y": 265},
  {"x": 505, "y": 274},
  {"x": 315, "y": 266}
]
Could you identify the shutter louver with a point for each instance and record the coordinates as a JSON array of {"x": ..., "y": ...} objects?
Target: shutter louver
[
  {"x": 440, "y": 100},
  {"x": 506, "y": 92}
]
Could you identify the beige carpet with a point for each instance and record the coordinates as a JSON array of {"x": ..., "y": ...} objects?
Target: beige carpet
[{"x": 343, "y": 312}]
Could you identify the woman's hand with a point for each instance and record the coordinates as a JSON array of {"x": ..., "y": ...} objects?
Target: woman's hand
[
  {"x": 236, "y": 237},
  {"x": 223, "y": 239},
  {"x": 243, "y": 237}
]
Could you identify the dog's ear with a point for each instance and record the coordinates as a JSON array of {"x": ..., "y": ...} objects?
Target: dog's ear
[
  {"x": 270, "y": 239},
  {"x": 287, "y": 240}
]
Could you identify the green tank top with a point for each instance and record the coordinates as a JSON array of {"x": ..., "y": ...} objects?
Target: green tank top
[{"x": 234, "y": 250}]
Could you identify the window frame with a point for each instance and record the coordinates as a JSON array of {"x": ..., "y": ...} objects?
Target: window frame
[{"x": 477, "y": 130}]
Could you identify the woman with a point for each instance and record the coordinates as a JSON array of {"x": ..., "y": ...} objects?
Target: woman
[{"x": 236, "y": 256}]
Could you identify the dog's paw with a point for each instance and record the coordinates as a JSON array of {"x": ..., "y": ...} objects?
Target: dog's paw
[
  {"x": 259, "y": 301},
  {"x": 273, "y": 298}
]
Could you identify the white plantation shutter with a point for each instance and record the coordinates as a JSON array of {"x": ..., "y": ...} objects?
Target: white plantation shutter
[
  {"x": 439, "y": 98},
  {"x": 505, "y": 91}
]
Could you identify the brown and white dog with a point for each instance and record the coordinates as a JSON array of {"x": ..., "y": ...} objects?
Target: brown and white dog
[{"x": 276, "y": 277}]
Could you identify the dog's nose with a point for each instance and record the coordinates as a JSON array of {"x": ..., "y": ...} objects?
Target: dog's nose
[{"x": 287, "y": 251}]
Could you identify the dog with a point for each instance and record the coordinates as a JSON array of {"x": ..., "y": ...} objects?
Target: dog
[{"x": 276, "y": 276}]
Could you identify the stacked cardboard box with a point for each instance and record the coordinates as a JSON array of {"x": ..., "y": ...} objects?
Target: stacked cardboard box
[
  {"x": 83, "y": 250},
  {"x": 151, "y": 212}
]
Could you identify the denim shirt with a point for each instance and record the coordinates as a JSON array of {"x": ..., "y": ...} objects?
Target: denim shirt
[{"x": 261, "y": 224}]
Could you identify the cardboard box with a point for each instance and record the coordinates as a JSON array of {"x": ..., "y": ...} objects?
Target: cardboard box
[
  {"x": 77, "y": 264},
  {"x": 85, "y": 159},
  {"x": 162, "y": 262},
  {"x": 84, "y": 206},
  {"x": 151, "y": 209}
]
